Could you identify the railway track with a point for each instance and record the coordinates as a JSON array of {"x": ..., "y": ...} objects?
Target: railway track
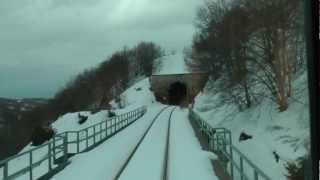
[{"x": 165, "y": 152}]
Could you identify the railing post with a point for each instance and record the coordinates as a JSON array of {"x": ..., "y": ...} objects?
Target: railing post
[
  {"x": 49, "y": 156},
  {"x": 117, "y": 120},
  {"x": 128, "y": 120},
  {"x": 224, "y": 141},
  {"x": 94, "y": 134},
  {"x": 256, "y": 177},
  {"x": 114, "y": 125},
  {"x": 65, "y": 148},
  {"x": 87, "y": 143},
  {"x": 241, "y": 168},
  {"x": 231, "y": 155},
  {"x": 100, "y": 131},
  {"x": 54, "y": 149},
  {"x": 106, "y": 129},
  {"x": 30, "y": 166},
  {"x": 78, "y": 145},
  {"x": 5, "y": 170},
  {"x": 121, "y": 121}
]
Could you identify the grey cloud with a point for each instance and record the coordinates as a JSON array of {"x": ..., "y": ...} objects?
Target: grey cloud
[{"x": 44, "y": 43}]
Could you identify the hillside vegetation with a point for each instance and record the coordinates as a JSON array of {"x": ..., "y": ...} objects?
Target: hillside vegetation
[
  {"x": 92, "y": 89},
  {"x": 255, "y": 53}
]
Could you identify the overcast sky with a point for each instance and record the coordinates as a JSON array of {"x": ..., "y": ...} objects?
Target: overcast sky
[{"x": 45, "y": 43}]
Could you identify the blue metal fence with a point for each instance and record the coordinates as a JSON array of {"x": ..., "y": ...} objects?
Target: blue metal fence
[{"x": 220, "y": 143}]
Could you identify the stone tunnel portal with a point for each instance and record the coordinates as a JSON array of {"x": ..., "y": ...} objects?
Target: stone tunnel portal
[{"x": 177, "y": 89}]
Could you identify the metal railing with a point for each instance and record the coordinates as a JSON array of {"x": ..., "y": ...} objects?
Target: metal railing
[
  {"x": 220, "y": 143},
  {"x": 57, "y": 151}
]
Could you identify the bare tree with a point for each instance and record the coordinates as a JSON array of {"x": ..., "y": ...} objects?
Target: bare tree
[
  {"x": 146, "y": 53},
  {"x": 245, "y": 42},
  {"x": 272, "y": 46}
]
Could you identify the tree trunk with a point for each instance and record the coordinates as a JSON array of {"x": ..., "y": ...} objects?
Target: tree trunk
[
  {"x": 247, "y": 95},
  {"x": 281, "y": 64}
]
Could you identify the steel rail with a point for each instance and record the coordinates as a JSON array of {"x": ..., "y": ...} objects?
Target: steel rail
[
  {"x": 165, "y": 174},
  {"x": 125, "y": 164}
]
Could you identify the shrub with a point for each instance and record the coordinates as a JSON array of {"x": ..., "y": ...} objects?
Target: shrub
[
  {"x": 244, "y": 136},
  {"x": 111, "y": 114},
  {"x": 295, "y": 170},
  {"x": 40, "y": 134}
]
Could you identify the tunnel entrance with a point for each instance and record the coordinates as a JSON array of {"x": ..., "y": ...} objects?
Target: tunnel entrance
[{"x": 177, "y": 93}]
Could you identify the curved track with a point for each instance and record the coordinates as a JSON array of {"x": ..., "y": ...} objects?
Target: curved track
[{"x": 145, "y": 146}]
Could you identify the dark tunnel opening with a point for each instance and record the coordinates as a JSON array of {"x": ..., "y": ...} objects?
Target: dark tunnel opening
[{"x": 177, "y": 93}]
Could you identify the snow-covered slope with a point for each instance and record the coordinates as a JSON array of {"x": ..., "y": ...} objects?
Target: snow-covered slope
[
  {"x": 134, "y": 98},
  {"x": 286, "y": 133},
  {"x": 173, "y": 64}
]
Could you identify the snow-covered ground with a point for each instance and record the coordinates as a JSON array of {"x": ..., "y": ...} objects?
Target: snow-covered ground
[
  {"x": 286, "y": 133},
  {"x": 104, "y": 161},
  {"x": 147, "y": 162},
  {"x": 187, "y": 159}
]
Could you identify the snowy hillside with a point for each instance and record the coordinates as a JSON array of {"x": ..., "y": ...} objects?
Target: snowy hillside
[
  {"x": 133, "y": 98},
  {"x": 286, "y": 133},
  {"x": 69, "y": 122},
  {"x": 173, "y": 64}
]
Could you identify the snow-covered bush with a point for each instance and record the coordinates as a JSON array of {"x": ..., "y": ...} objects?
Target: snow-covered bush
[
  {"x": 111, "y": 114},
  {"x": 41, "y": 134}
]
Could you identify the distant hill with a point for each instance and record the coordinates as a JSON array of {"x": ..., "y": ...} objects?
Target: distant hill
[{"x": 11, "y": 111}]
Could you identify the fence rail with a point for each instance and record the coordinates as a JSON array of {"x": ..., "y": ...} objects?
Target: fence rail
[
  {"x": 220, "y": 142},
  {"x": 58, "y": 149}
]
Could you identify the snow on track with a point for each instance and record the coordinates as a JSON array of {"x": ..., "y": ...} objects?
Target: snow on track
[
  {"x": 147, "y": 163},
  {"x": 103, "y": 162},
  {"x": 187, "y": 159}
]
